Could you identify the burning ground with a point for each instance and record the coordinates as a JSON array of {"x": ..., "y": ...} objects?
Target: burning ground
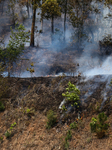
[{"x": 44, "y": 93}]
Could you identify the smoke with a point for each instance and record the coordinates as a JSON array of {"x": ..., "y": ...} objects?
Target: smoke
[
  {"x": 91, "y": 63},
  {"x": 105, "y": 68},
  {"x": 46, "y": 52}
]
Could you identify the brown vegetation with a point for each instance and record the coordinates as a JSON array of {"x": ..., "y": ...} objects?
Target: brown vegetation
[{"x": 27, "y": 104}]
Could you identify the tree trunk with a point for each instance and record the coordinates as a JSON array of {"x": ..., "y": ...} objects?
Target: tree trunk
[
  {"x": 13, "y": 14},
  {"x": 42, "y": 25},
  {"x": 41, "y": 19},
  {"x": 52, "y": 24},
  {"x": 33, "y": 26},
  {"x": 52, "y": 28},
  {"x": 9, "y": 69},
  {"x": 65, "y": 19},
  {"x": 2, "y": 7},
  {"x": 27, "y": 5}
]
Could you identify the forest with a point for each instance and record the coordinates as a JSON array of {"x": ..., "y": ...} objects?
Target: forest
[{"x": 55, "y": 74}]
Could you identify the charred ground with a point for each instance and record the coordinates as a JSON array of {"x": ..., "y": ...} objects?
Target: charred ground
[{"x": 44, "y": 93}]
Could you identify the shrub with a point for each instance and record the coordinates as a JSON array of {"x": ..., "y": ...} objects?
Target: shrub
[
  {"x": 13, "y": 124},
  {"x": 51, "y": 116},
  {"x": 1, "y": 139},
  {"x": 72, "y": 94},
  {"x": 66, "y": 145},
  {"x": 99, "y": 126},
  {"x": 73, "y": 125},
  {"x": 8, "y": 134},
  {"x": 15, "y": 46},
  {"x": 63, "y": 108},
  {"x": 68, "y": 137},
  {"x": 30, "y": 112},
  {"x": 2, "y": 107},
  {"x": 3, "y": 82}
]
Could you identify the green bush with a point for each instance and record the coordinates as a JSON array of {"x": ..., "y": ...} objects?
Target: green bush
[
  {"x": 66, "y": 145},
  {"x": 8, "y": 134},
  {"x": 30, "y": 112},
  {"x": 63, "y": 108},
  {"x": 15, "y": 46},
  {"x": 72, "y": 94},
  {"x": 99, "y": 126},
  {"x": 3, "y": 83},
  {"x": 1, "y": 139},
  {"x": 73, "y": 125},
  {"x": 2, "y": 107},
  {"x": 51, "y": 116},
  {"x": 13, "y": 124},
  {"x": 68, "y": 137}
]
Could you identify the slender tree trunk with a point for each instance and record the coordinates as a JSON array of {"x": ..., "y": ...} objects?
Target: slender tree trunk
[
  {"x": 33, "y": 26},
  {"x": 27, "y": 5},
  {"x": 14, "y": 20},
  {"x": 52, "y": 24},
  {"x": 2, "y": 7},
  {"x": 78, "y": 36},
  {"x": 41, "y": 19},
  {"x": 52, "y": 28},
  {"x": 9, "y": 68},
  {"x": 42, "y": 24},
  {"x": 65, "y": 19}
]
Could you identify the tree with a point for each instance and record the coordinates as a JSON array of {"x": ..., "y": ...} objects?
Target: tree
[
  {"x": 51, "y": 9},
  {"x": 78, "y": 14},
  {"x": 33, "y": 25},
  {"x": 26, "y": 3},
  {"x": 15, "y": 47},
  {"x": 12, "y": 10},
  {"x": 2, "y": 3},
  {"x": 42, "y": 1},
  {"x": 64, "y": 9},
  {"x": 35, "y": 4}
]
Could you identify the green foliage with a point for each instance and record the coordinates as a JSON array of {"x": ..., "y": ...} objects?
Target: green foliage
[
  {"x": 51, "y": 116},
  {"x": 73, "y": 125},
  {"x": 66, "y": 145},
  {"x": 107, "y": 40},
  {"x": 72, "y": 94},
  {"x": 1, "y": 138},
  {"x": 31, "y": 70},
  {"x": 8, "y": 133},
  {"x": 50, "y": 8},
  {"x": 99, "y": 126},
  {"x": 11, "y": 10},
  {"x": 13, "y": 125},
  {"x": 3, "y": 84},
  {"x": 68, "y": 137},
  {"x": 89, "y": 140},
  {"x": 2, "y": 107},
  {"x": 30, "y": 112},
  {"x": 63, "y": 108},
  {"x": 15, "y": 46}
]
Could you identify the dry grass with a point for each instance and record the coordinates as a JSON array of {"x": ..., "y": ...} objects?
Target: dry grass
[{"x": 30, "y": 132}]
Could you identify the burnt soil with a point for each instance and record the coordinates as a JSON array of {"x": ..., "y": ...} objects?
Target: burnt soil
[{"x": 42, "y": 94}]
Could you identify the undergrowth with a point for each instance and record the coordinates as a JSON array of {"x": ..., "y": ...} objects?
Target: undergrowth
[
  {"x": 52, "y": 117},
  {"x": 99, "y": 126}
]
